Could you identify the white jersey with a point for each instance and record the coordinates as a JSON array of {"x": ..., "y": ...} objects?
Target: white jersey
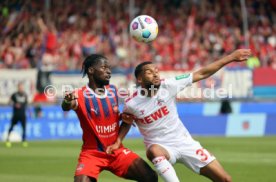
[{"x": 158, "y": 119}]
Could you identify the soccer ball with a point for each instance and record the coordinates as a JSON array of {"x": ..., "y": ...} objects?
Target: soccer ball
[{"x": 143, "y": 28}]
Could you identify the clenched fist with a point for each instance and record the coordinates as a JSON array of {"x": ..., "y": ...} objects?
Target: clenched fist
[{"x": 70, "y": 96}]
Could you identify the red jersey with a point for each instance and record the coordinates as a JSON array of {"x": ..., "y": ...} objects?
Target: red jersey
[{"x": 99, "y": 117}]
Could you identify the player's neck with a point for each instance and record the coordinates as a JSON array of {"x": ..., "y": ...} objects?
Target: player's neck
[
  {"x": 99, "y": 89},
  {"x": 20, "y": 92},
  {"x": 149, "y": 92}
]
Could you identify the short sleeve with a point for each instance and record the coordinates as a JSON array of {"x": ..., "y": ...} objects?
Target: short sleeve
[{"x": 178, "y": 83}]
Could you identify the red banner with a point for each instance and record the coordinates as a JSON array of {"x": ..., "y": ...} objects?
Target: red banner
[{"x": 264, "y": 77}]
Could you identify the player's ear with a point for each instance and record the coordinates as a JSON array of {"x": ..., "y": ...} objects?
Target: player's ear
[
  {"x": 91, "y": 70},
  {"x": 139, "y": 80}
]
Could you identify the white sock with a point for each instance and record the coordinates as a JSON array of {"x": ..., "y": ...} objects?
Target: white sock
[{"x": 165, "y": 169}]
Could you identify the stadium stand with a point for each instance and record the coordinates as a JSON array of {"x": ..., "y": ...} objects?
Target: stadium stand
[{"x": 59, "y": 37}]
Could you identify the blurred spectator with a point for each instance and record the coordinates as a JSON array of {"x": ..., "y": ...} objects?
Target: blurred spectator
[
  {"x": 225, "y": 107},
  {"x": 192, "y": 33},
  {"x": 38, "y": 111},
  {"x": 19, "y": 101},
  {"x": 253, "y": 62}
]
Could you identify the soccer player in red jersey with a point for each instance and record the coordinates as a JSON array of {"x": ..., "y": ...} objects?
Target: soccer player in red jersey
[{"x": 96, "y": 105}]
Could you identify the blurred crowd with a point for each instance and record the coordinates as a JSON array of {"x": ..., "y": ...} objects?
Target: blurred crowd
[{"x": 57, "y": 35}]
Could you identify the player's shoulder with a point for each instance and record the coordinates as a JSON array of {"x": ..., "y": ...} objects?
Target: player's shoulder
[
  {"x": 111, "y": 86},
  {"x": 81, "y": 91},
  {"x": 131, "y": 97},
  {"x": 112, "y": 89},
  {"x": 166, "y": 81}
]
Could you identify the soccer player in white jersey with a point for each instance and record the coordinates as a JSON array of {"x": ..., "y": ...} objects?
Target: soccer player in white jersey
[{"x": 153, "y": 107}]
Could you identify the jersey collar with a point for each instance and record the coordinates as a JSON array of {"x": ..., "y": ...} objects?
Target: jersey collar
[{"x": 98, "y": 96}]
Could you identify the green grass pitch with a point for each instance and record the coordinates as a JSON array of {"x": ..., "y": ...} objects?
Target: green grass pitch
[{"x": 246, "y": 159}]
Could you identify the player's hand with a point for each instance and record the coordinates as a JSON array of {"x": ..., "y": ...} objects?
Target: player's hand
[
  {"x": 69, "y": 96},
  {"x": 240, "y": 55},
  {"x": 128, "y": 118},
  {"x": 111, "y": 148}
]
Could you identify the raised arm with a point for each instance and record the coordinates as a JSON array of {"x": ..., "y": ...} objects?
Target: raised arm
[{"x": 237, "y": 56}]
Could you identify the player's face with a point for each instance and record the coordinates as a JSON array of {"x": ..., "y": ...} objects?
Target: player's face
[
  {"x": 102, "y": 72},
  {"x": 150, "y": 76}
]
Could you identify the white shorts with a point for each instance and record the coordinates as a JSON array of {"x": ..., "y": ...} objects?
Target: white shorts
[{"x": 188, "y": 152}]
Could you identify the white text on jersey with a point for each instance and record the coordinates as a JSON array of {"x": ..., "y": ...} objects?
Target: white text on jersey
[{"x": 106, "y": 129}]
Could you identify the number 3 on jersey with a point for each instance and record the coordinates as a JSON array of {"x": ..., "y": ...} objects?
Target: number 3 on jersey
[{"x": 203, "y": 154}]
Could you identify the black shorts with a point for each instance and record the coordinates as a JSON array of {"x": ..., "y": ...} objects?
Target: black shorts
[{"x": 18, "y": 118}]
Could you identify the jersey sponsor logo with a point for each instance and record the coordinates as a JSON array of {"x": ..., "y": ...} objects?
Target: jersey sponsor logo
[
  {"x": 182, "y": 76},
  {"x": 160, "y": 113},
  {"x": 142, "y": 112},
  {"x": 105, "y": 129}
]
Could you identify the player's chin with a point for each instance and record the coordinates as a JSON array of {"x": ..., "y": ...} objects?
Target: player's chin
[
  {"x": 104, "y": 82},
  {"x": 156, "y": 83}
]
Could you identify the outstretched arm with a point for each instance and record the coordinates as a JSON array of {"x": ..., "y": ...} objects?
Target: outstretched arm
[
  {"x": 124, "y": 128},
  {"x": 237, "y": 56}
]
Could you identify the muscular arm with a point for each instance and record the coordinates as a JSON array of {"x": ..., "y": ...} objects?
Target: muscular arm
[
  {"x": 124, "y": 128},
  {"x": 238, "y": 56}
]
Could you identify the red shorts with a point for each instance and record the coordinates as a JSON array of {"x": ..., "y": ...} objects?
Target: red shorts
[{"x": 92, "y": 162}]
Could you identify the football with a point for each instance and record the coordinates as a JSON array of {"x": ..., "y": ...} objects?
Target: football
[{"x": 143, "y": 28}]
